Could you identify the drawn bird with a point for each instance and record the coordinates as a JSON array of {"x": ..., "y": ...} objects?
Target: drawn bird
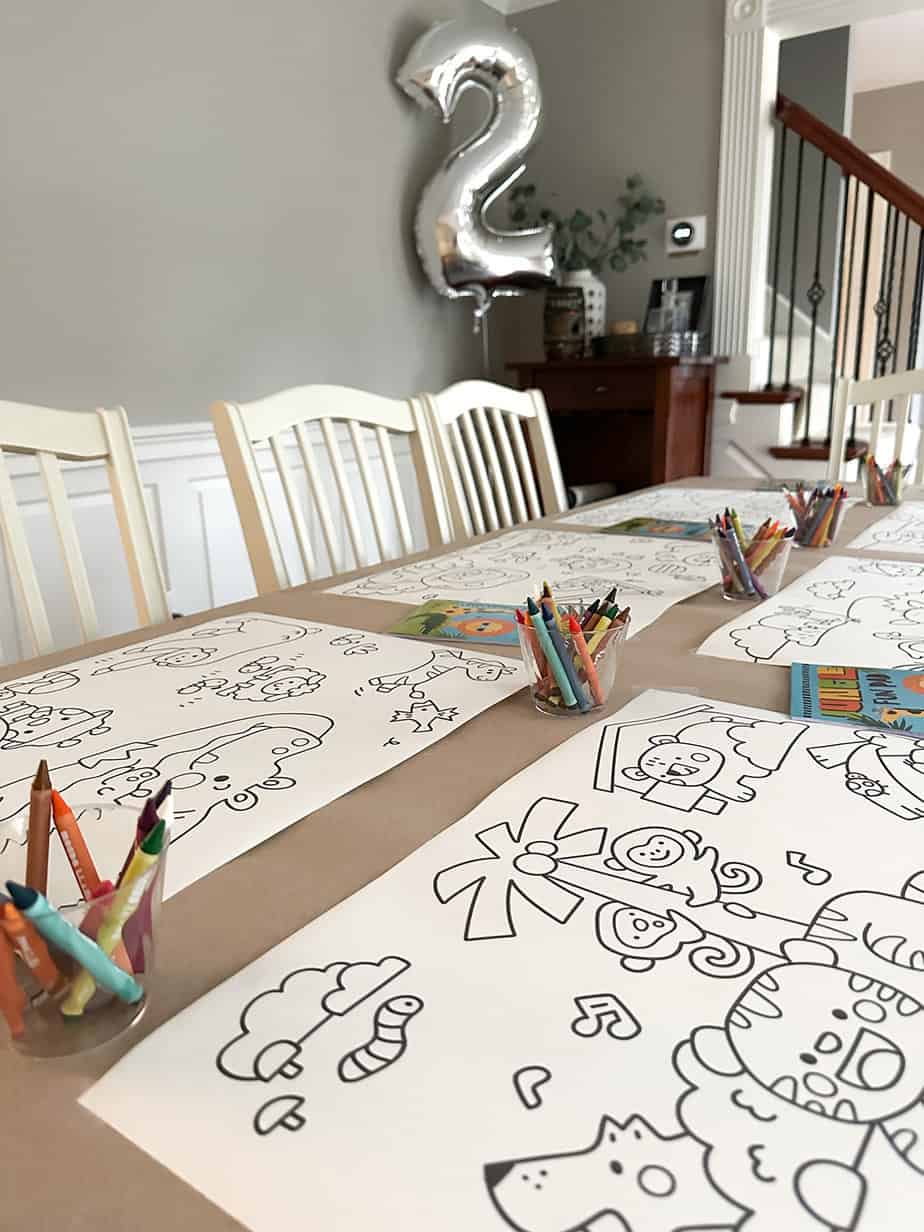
[{"x": 388, "y": 1043}]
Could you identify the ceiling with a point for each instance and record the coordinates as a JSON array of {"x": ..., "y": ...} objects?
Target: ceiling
[
  {"x": 517, "y": 6},
  {"x": 888, "y": 51}
]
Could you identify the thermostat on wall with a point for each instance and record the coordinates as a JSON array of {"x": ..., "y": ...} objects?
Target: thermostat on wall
[{"x": 685, "y": 235}]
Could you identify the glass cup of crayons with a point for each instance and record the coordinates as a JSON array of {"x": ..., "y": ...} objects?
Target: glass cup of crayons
[
  {"x": 883, "y": 487},
  {"x": 819, "y": 514},
  {"x": 75, "y": 975},
  {"x": 751, "y": 566},
  {"x": 571, "y": 654}
]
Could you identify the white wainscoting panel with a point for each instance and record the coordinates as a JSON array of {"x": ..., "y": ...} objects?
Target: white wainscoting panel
[{"x": 195, "y": 523}]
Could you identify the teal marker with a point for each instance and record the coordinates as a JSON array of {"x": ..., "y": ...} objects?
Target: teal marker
[
  {"x": 559, "y": 643},
  {"x": 548, "y": 649},
  {"x": 54, "y": 928}
]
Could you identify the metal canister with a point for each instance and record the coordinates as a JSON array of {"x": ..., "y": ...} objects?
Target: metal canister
[{"x": 564, "y": 329}]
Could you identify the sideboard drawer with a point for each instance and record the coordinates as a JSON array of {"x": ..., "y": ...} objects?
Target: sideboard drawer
[{"x": 591, "y": 391}]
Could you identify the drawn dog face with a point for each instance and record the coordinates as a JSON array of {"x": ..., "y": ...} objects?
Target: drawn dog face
[
  {"x": 670, "y": 760},
  {"x": 833, "y": 1042},
  {"x": 475, "y": 574},
  {"x": 641, "y": 1181}
]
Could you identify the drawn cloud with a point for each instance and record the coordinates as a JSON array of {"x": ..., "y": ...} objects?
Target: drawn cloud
[
  {"x": 276, "y": 1023},
  {"x": 831, "y": 588}
]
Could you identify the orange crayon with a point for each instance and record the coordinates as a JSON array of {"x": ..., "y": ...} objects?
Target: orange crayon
[
  {"x": 587, "y": 662},
  {"x": 75, "y": 847},
  {"x": 29, "y": 946},
  {"x": 12, "y": 995}
]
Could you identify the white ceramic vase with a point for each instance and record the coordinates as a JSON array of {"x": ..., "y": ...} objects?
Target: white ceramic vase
[{"x": 594, "y": 301}]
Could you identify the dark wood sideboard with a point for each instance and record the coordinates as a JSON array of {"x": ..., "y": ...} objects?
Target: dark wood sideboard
[{"x": 633, "y": 421}]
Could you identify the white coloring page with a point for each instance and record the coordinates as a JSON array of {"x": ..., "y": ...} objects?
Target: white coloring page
[
  {"x": 257, "y": 719},
  {"x": 650, "y": 575},
  {"x": 901, "y": 530},
  {"x": 686, "y": 505},
  {"x": 635, "y": 989}
]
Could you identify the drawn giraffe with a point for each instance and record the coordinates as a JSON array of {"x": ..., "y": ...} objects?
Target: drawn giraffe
[{"x": 439, "y": 663}]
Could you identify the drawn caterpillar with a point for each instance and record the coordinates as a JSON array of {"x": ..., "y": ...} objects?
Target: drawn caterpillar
[{"x": 388, "y": 1043}]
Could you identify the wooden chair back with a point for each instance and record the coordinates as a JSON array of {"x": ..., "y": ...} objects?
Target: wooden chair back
[
  {"x": 878, "y": 392},
  {"x": 497, "y": 456},
  {"x": 282, "y": 421},
  {"x": 83, "y": 436}
]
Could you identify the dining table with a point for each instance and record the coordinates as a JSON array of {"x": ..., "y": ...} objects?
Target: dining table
[{"x": 61, "y": 1167}]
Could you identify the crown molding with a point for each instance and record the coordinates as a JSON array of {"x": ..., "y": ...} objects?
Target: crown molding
[{"x": 516, "y": 6}]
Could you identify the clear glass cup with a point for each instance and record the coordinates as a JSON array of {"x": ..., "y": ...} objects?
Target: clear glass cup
[
  {"x": 48, "y": 1032},
  {"x": 877, "y": 494},
  {"x": 768, "y": 574},
  {"x": 594, "y": 691}
]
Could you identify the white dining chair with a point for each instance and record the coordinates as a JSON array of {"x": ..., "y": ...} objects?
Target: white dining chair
[
  {"x": 79, "y": 436},
  {"x": 283, "y": 421},
  {"x": 877, "y": 392},
  {"x": 497, "y": 455}
]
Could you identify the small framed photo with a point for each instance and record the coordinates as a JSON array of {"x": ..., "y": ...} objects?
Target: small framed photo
[{"x": 693, "y": 290}]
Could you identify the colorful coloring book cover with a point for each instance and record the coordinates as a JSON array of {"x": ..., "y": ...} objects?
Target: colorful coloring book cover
[
  {"x": 458, "y": 621},
  {"x": 877, "y": 696},
  {"x": 660, "y": 528}
]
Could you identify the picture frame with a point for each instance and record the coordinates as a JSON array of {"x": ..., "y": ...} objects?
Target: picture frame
[{"x": 696, "y": 286}]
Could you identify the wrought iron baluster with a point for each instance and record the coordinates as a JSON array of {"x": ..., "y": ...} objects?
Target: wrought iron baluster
[
  {"x": 815, "y": 295},
  {"x": 797, "y": 210},
  {"x": 838, "y": 291},
  {"x": 781, "y": 181},
  {"x": 883, "y": 309},
  {"x": 914, "y": 329}
]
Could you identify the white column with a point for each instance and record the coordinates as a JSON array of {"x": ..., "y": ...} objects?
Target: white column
[{"x": 745, "y": 178}]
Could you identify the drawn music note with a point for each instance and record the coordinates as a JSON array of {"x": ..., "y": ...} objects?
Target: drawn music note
[
  {"x": 812, "y": 874},
  {"x": 604, "y": 1009}
]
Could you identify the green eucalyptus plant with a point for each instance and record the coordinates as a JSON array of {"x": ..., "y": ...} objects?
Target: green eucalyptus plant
[{"x": 604, "y": 240}]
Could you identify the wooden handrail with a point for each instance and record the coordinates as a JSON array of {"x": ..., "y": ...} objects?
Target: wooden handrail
[{"x": 850, "y": 158}]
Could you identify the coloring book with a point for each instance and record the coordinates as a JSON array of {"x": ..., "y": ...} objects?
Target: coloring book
[
  {"x": 650, "y": 575},
  {"x": 458, "y": 621},
  {"x": 686, "y": 505},
  {"x": 636, "y": 988},
  {"x": 660, "y": 528},
  {"x": 257, "y": 719},
  {"x": 847, "y": 610},
  {"x": 874, "y": 695}
]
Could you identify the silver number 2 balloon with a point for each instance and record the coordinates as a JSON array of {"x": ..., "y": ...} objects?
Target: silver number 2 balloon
[{"x": 462, "y": 254}]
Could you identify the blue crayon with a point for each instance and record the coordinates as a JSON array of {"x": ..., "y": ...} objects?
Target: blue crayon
[
  {"x": 562, "y": 650},
  {"x": 548, "y": 649},
  {"x": 54, "y": 928}
]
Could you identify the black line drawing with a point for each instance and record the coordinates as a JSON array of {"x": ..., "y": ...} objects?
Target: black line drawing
[
  {"x": 423, "y": 715},
  {"x": 354, "y": 643},
  {"x": 438, "y": 663},
  {"x": 604, "y": 1010},
  {"x": 831, "y": 588},
  {"x": 583, "y": 587},
  {"x": 283, "y": 1112},
  {"x": 391, "y": 741},
  {"x": 267, "y": 679},
  {"x": 388, "y": 1043},
  {"x": 275, "y": 1024},
  {"x": 544, "y": 865},
  {"x": 812, "y": 874},
  {"x": 209, "y": 643},
  {"x": 27, "y": 725},
  {"x": 889, "y": 568},
  {"x": 816, "y": 1057},
  {"x": 55, "y": 680},
  {"x": 527, "y": 1083},
  {"x": 695, "y": 759},
  {"x": 677, "y": 860},
  {"x": 786, "y": 626},
  {"x": 222, "y": 766},
  {"x": 882, "y": 767},
  {"x": 903, "y": 529},
  {"x": 648, "y": 1181}
]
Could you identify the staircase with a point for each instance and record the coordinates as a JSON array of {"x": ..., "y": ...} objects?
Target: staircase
[{"x": 873, "y": 308}]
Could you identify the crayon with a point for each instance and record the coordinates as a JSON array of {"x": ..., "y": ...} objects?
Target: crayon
[
  {"x": 39, "y": 829},
  {"x": 75, "y": 847},
  {"x": 147, "y": 820},
  {"x": 562, "y": 651},
  {"x": 12, "y": 995},
  {"x": 30, "y": 947},
  {"x": 122, "y": 907},
  {"x": 589, "y": 613},
  {"x": 547, "y": 597},
  {"x": 548, "y": 650},
  {"x": 590, "y": 671},
  {"x": 54, "y": 928},
  {"x": 600, "y": 629}
]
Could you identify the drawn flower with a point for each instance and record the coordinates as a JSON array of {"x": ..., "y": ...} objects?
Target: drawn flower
[{"x": 520, "y": 865}]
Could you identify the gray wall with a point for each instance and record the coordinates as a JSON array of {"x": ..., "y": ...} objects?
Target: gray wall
[
  {"x": 628, "y": 86},
  {"x": 214, "y": 199},
  {"x": 813, "y": 71},
  {"x": 893, "y": 120}
]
